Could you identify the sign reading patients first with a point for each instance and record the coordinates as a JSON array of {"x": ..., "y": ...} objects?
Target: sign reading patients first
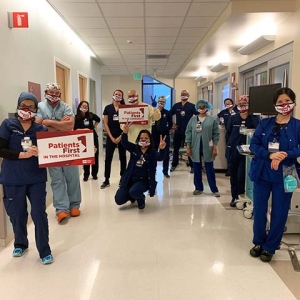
[
  {"x": 137, "y": 114},
  {"x": 65, "y": 148},
  {"x": 18, "y": 20}
]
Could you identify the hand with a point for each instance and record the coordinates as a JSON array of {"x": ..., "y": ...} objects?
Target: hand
[
  {"x": 47, "y": 122},
  {"x": 95, "y": 149},
  {"x": 174, "y": 126},
  {"x": 162, "y": 143},
  {"x": 66, "y": 118},
  {"x": 126, "y": 127},
  {"x": 32, "y": 151},
  {"x": 278, "y": 155},
  {"x": 215, "y": 152},
  {"x": 274, "y": 164},
  {"x": 188, "y": 151},
  {"x": 118, "y": 139}
]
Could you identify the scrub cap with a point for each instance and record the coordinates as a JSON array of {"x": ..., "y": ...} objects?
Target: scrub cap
[
  {"x": 203, "y": 102},
  {"x": 27, "y": 96},
  {"x": 244, "y": 97},
  {"x": 53, "y": 86}
]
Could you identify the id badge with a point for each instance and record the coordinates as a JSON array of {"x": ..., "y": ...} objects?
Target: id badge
[
  {"x": 115, "y": 117},
  {"x": 182, "y": 113},
  {"x": 198, "y": 127},
  {"x": 86, "y": 122},
  {"x": 243, "y": 129},
  {"x": 273, "y": 147},
  {"x": 140, "y": 162}
]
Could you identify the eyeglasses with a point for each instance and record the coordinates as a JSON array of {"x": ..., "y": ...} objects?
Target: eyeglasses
[
  {"x": 132, "y": 96},
  {"x": 30, "y": 107}
]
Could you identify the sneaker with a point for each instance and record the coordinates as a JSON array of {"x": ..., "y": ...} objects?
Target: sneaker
[
  {"x": 75, "y": 212},
  {"x": 233, "y": 202},
  {"x": 197, "y": 192},
  {"x": 105, "y": 184},
  {"x": 61, "y": 216},
  {"x": 95, "y": 177},
  {"x": 266, "y": 256},
  {"x": 142, "y": 206},
  {"x": 166, "y": 175},
  {"x": 47, "y": 260},
  {"x": 172, "y": 169},
  {"x": 192, "y": 171},
  {"x": 256, "y": 251},
  {"x": 217, "y": 194},
  {"x": 18, "y": 252}
]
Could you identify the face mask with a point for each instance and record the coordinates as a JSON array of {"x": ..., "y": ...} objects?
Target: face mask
[
  {"x": 202, "y": 111},
  {"x": 52, "y": 99},
  {"x": 285, "y": 109},
  {"x": 184, "y": 97},
  {"x": 26, "y": 114},
  {"x": 228, "y": 105},
  {"x": 84, "y": 110},
  {"x": 117, "y": 98},
  {"x": 161, "y": 104},
  {"x": 143, "y": 143},
  {"x": 133, "y": 100},
  {"x": 290, "y": 183},
  {"x": 243, "y": 108}
]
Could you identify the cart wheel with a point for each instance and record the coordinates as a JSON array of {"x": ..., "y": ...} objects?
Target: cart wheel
[
  {"x": 248, "y": 214},
  {"x": 240, "y": 205}
]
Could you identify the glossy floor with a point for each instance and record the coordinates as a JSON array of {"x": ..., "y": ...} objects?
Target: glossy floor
[{"x": 179, "y": 247}]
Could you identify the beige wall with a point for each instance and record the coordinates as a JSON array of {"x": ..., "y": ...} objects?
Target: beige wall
[{"x": 186, "y": 84}]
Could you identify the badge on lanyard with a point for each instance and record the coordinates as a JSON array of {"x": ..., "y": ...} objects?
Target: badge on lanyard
[
  {"x": 182, "y": 113},
  {"x": 198, "y": 127},
  {"x": 140, "y": 162},
  {"x": 115, "y": 117},
  {"x": 86, "y": 122},
  {"x": 273, "y": 146},
  {"x": 243, "y": 128}
]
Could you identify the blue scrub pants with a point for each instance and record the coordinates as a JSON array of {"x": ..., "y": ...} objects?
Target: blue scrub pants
[
  {"x": 65, "y": 187},
  {"x": 133, "y": 191},
  {"x": 179, "y": 138},
  {"x": 156, "y": 139},
  {"x": 15, "y": 203},
  {"x": 210, "y": 173},
  {"x": 279, "y": 212},
  {"x": 109, "y": 153},
  {"x": 237, "y": 176}
]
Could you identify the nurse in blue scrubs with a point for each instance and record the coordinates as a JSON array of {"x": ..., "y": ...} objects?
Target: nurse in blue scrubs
[{"x": 275, "y": 144}]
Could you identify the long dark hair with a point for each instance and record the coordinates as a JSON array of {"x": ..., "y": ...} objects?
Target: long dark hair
[
  {"x": 151, "y": 146},
  {"x": 282, "y": 91},
  {"x": 122, "y": 101},
  {"x": 80, "y": 114}
]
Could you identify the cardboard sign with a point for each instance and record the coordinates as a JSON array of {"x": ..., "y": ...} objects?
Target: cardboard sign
[
  {"x": 137, "y": 114},
  {"x": 65, "y": 148}
]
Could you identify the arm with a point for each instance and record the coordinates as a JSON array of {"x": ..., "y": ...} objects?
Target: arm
[
  {"x": 256, "y": 143},
  {"x": 96, "y": 119},
  {"x": 228, "y": 128},
  {"x": 154, "y": 114},
  {"x": 130, "y": 147},
  {"x": 188, "y": 138},
  {"x": 216, "y": 133},
  {"x": 65, "y": 124}
]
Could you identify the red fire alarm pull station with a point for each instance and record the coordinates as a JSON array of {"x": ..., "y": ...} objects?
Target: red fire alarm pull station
[{"x": 18, "y": 20}]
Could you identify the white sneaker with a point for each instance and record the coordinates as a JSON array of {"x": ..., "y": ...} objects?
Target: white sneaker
[{"x": 217, "y": 194}]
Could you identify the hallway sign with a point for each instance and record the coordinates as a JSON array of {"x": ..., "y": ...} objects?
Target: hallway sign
[
  {"x": 18, "y": 20},
  {"x": 137, "y": 114},
  {"x": 65, "y": 148}
]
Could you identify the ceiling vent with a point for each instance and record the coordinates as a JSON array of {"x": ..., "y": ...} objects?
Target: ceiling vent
[{"x": 157, "y": 56}]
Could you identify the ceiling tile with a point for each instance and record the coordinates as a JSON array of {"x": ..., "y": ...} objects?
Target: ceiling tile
[
  {"x": 197, "y": 32},
  {"x": 127, "y": 32},
  {"x": 130, "y": 46},
  {"x": 162, "y": 31},
  {"x": 158, "y": 46},
  {"x": 181, "y": 51},
  {"x": 166, "y": 22},
  {"x": 93, "y": 33},
  {"x": 106, "y": 53},
  {"x": 100, "y": 41},
  {"x": 184, "y": 46},
  {"x": 206, "y": 9},
  {"x": 188, "y": 39},
  {"x": 69, "y": 1},
  {"x": 166, "y": 9},
  {"x": 131, "y": 51},
  {"x": 199, "y": 22},
  {"x": 131, "y": 56},
  {"x": 125, "y": 22},
  {"x": 134, "y": 39},
  {"x": 79, "y": 9},
  {"x": 160, "y": 39},
  {"x": 170, "y": 1},
  {"x": 119, "y": 1},
  {"x": 156, "y": 52},
  {"x": 122, "y": 9},
  {"x": 113, "y": 62},
  {"x": 100, "y": 47},
  {"x": 87, "y": 22}
]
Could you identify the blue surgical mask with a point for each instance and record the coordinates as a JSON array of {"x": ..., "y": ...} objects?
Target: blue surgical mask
[{"x": 290, "y": 183}]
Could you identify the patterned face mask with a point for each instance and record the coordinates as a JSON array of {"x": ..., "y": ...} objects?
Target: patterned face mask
[
  {"x": 26, "y": 114},
  {"x": 133, "y": 100},
  {"x": 84, "y": 110},
  {"x": 52, "y": 99},
  {"x": 117, "y": 98},
  {"x": 184, "y": 97},
  {"x": 285, "y": 109},
  {"x": 243, "y": 108}
]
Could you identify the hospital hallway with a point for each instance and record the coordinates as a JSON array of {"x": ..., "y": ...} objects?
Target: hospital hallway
[{"x": 180, "y": 247}]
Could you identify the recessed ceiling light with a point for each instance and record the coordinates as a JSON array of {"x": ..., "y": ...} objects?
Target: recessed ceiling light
[{"x": 129, "y": 42}]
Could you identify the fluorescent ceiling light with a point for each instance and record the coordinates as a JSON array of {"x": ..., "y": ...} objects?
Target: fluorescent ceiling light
[
  {"x": 262, "y": 41},
  {"x": 218, "y": 67},
  {"x": 200, "y": 78}
]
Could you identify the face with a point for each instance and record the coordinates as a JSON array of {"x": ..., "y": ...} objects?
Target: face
[
  {"x": 118, "y": 93},
  {"x": 27, "y": 104},
  {"x": 144, "y": 137},
  {"x": 161, "y": 102},
  {"x": 53, "y": 93},
  {"x": 184, "y": 95},
  {"x": 284, "y": 99},
  {"x": 227, "y": 103},
  {"x": 85, "y": 106}
]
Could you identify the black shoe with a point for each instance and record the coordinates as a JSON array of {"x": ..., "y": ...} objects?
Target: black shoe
[
  {"x": 256, "y": 251},
  {"x": 132, "y": 201},
  {"x": 85, "y": 178},
  {"x": 266, "y": 256},
  {"x": 227, "y": 174},
  {"x": 172, "y": 169},
  {"x": 166, "y": 175},
  {"x": 95, "y": 177},
  {"x": 141, "y": 206},
  {"x": 192, "y": 171},
  {"x": 233, "y": 202},
  {"x": 105, "y": 184}
]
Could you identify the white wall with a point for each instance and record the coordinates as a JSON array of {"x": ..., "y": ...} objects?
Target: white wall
[{"x": 28, "y": 54}]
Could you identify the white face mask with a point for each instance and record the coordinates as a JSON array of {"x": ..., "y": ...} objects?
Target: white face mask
[
  {"x": 117, "y": 98},
  {"x": 202, "y": 111},
  {"x": 143, "y": 143},
  {"x": 84, "y": 110},
  {"x": 161, "y": 104},
  {"x": 228, "y": 105},
  {"x": 184, "y": 97},
  {"x": 133, "y": 100},
  {"x": 285, "y": 109},
  {"x": 243, "y": 108},
  {"x": 52, "y": 99},
  {"x": 25, "y": 114}
]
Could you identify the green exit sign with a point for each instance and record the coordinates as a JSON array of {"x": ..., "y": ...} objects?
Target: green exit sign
[{"x": 137, "y": 76}]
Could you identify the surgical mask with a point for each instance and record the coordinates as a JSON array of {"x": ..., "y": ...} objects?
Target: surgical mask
[
  {"x": 285, "y": 109},
  {"x": 184, "y": 97},
  {"x": 25, "y": 114},
  {"x": 133, "y": 100},
  {"x": 202, "y": 111},
  {"x": 117, "y": 98},
  {"x": 161, "y": 104},
  {"x": 228, "y": 105},
  {"x": 52, "y": 99},
  {"x": 84, "y": 110},
  {"x": 143, "y": 143},
  {"x": 243, "y": 108},
  {"x": 290, "y": 183}
]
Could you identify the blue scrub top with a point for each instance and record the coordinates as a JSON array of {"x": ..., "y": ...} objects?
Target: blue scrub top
[
  {"x": 183, "y": 114},
  {"x": 113, "y": 120},
  {"x": 20, "y": 171},
  {"x": 225, "y": 114}
]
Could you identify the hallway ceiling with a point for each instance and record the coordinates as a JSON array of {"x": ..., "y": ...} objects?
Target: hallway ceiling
[{"x": 165, "y": 38}]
